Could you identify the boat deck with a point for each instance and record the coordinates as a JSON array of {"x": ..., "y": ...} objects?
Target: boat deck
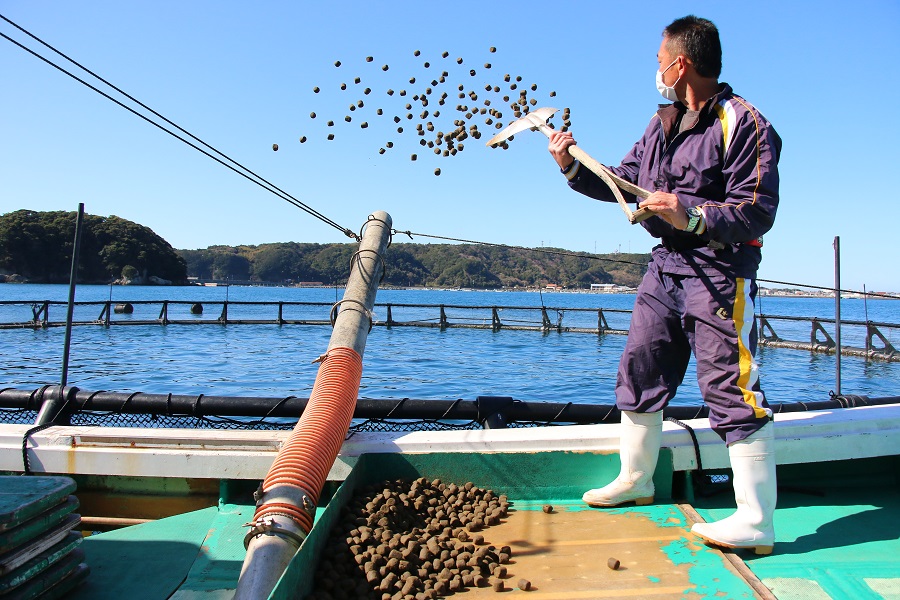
[{"x": 834, "y": 540}]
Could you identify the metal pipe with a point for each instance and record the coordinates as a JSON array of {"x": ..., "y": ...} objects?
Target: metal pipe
[
  {"x": 50, "y": 411},
  {"x": 73, "y": 277},
  {"x": 291, "y": 490},
  {"x": 837, "y": 314}
]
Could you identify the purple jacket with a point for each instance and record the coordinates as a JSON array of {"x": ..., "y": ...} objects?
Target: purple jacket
[{"x": 727, "y": 164}]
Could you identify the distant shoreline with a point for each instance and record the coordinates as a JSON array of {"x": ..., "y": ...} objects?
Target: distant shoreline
[{"x": 763, "y": 291}]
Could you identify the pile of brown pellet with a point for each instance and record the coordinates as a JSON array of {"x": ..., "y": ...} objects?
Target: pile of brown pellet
[
  {"x": 414, "y": 540},
  {"x": 433, "y": 95}
]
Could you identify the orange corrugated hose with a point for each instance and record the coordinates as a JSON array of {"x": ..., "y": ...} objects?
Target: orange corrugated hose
[{"x": 306, "y": 458}]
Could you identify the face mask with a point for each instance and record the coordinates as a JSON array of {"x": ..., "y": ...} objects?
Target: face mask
[{"x": 668, "y": 92}]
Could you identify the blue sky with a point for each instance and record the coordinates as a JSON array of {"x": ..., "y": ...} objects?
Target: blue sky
[{"x": 241, "y": 75}]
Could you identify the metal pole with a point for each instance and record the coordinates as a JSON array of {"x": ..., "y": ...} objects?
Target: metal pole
[
  {"x": 50, "y": 409},
  {"x": 837, "y": 313},
  {"x": 274, "y": 540}
]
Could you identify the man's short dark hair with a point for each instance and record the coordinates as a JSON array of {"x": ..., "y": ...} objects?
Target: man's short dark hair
[{"x": 698, "y": 40}]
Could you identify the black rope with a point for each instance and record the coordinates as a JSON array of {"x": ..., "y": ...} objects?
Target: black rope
[
  {"x": 260, "y": 181},
  {"x": 25, "y": 462},
  {"x": 196, "y": 406},
  {"x": 699, "y": 476}
]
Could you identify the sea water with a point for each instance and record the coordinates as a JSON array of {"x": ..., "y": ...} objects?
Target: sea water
[{"x": 400, "y": 362}]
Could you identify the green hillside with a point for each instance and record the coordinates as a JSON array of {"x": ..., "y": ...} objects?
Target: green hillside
[
  {"x": 37, "y": 246},
  {"x": 432, "y": 265}
]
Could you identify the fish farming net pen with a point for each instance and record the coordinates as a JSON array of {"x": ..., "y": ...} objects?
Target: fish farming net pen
[
  {"x": 865, "y": 339},
  {"x": 112, "y": 409}
]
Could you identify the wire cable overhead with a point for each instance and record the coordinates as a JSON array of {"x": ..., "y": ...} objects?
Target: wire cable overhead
[
  {"x": 235, "y": 166},
  {"x": 231, "y": 163}
]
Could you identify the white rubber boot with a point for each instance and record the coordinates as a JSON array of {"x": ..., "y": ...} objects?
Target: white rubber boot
[
  {"x": 755, "y": 491},
  {"x": 638, "y": 450}
]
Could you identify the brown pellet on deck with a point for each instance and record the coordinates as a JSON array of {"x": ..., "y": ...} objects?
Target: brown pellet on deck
[
  {"x": 547, "y": 507},
  {"x": 613, "y": 563},
  {"x": 275, "y": 147},
  {"x": 524, "y": 585}
]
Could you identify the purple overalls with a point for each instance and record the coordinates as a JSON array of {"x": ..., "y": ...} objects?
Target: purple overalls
[{"x": 698, "y": 293}]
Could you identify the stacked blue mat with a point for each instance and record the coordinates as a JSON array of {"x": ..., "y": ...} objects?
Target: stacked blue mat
[{"x": 39, "y": 542}]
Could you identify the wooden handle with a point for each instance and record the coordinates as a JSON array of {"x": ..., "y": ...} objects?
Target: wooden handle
[
  {"x": 595, "y": 166},
  {"x": 611, "y": 179}
]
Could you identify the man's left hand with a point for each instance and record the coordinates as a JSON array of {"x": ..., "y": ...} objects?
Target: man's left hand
[{"x": 667, "y": 207}]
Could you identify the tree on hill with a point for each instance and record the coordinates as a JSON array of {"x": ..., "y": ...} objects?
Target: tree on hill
[{"x": 38, "y": 246}]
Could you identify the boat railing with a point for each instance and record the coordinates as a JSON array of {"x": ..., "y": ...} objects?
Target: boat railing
[
  {"x": 139, "y": 409},
  {"x": 867, "y": 339}
]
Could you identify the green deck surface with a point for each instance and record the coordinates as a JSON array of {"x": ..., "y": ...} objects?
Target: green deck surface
[
  {"x": 838, "y": 531},
  {"x": 832, "y": 546}
]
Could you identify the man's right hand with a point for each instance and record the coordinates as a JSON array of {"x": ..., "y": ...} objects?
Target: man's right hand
[{"x": 559, "y": 148}]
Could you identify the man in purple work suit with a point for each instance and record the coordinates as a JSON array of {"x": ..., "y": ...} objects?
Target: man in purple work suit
[{"x": 711, "y": 159}]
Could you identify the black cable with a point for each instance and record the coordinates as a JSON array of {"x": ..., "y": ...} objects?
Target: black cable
[
  {"x": 270, "y": 187},
  {"x": 541, "y": 250},
  {"x": 258, "y": 181},
  {"x": 625, "y": 262},
  {"x": 831, "y": 289},
  {"x": 25, "y": 462}
]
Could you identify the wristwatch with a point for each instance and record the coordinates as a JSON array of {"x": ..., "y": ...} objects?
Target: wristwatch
[{"x": 695, "y": 219}]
